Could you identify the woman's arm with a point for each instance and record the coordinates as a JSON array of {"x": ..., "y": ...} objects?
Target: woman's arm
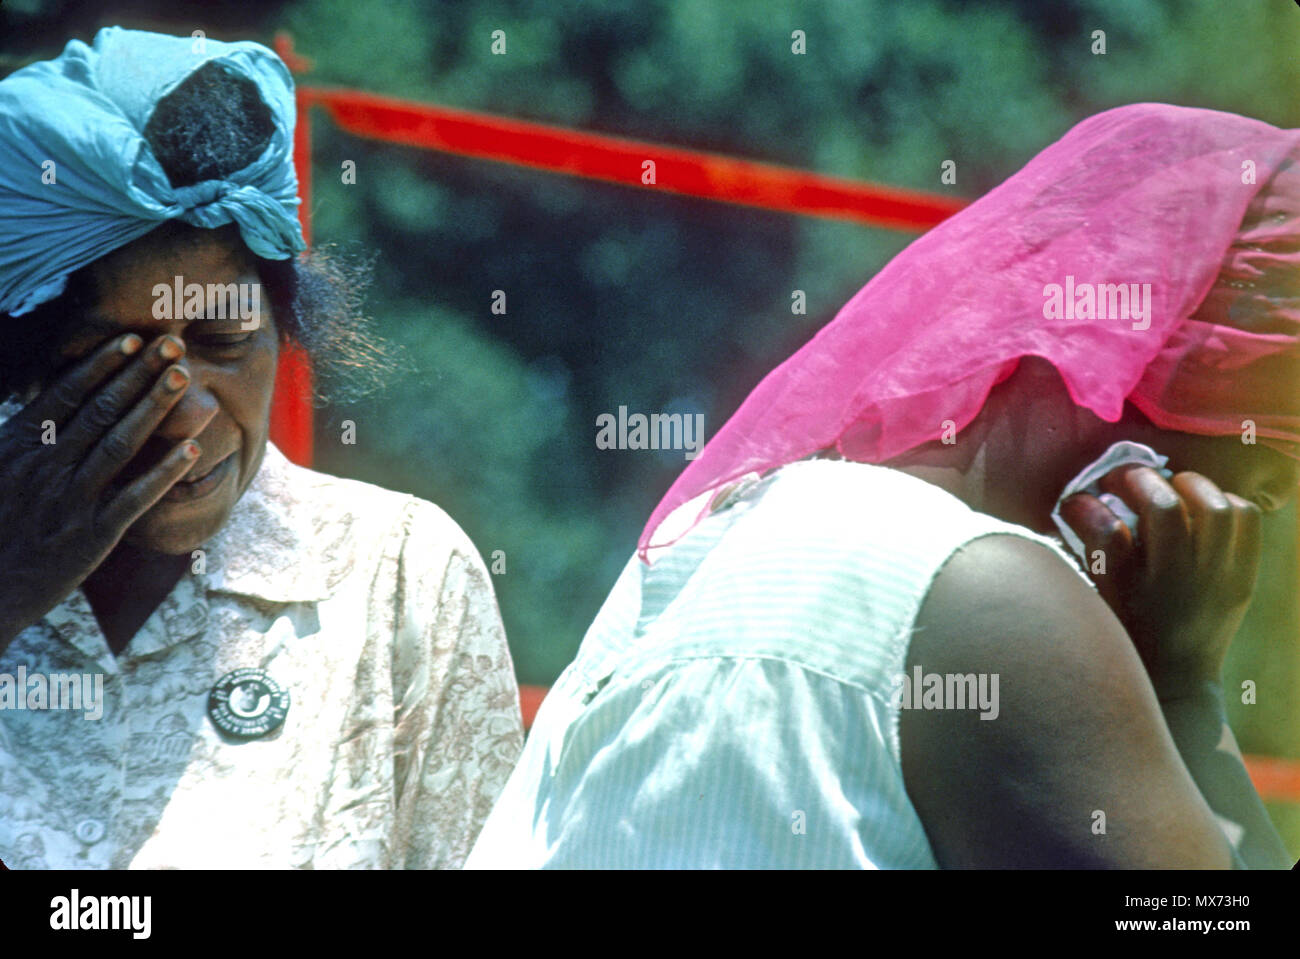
[
  {"x": 1079, "y": 768},
  {"x": 1199, "y": 725},
  {"x": 1181, "y": 591}
]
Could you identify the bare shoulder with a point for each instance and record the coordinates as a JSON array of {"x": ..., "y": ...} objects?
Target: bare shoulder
[
  {"x": 1008, "y": 607},
  {"x": 1076, "y": 731},
  {"x": 1026, "y": 596}
]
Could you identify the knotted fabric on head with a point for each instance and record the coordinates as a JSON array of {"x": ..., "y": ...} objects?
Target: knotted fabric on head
[
  {"x": 1199, "y": 207},
  {"x": 78, "y": 180}
]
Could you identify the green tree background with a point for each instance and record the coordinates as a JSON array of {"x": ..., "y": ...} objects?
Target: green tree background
[{"x": 618, "y": 296}]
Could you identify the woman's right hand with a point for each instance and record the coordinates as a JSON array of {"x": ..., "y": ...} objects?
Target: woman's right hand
[
  {"x": 60, "y": 512},
  {"x": 1183, "y": 587}
]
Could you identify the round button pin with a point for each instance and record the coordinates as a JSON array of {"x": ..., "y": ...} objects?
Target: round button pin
[
  {"x": 90, "y": 831},
  {"x": 247, "y": 703}
]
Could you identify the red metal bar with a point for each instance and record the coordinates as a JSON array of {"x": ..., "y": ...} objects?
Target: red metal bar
[
  {"x": 291, "y": 410},
  {"x": 530, "y": 700},
  {"x": 1275, "y": 779},
  {"x": 619, "y": 160}
]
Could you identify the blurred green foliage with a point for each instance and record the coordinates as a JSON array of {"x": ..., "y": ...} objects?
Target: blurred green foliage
[{"x": 619, "y": 296}]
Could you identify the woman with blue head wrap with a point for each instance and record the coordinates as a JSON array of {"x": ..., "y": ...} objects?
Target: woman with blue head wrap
[{"x": 286, "y": 669}]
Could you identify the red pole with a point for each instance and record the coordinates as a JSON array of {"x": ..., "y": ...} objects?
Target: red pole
[{"x": 632, "y": 162}]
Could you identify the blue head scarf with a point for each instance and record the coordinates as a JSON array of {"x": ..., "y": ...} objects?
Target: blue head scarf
[{"x": 78, "y": 180}]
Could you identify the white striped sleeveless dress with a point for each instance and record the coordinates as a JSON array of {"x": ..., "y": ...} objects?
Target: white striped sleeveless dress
[{"x": 731, "y": 706}]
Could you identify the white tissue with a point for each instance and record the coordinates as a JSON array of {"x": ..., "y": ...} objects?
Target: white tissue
[{"x": 1086, "y": 482}]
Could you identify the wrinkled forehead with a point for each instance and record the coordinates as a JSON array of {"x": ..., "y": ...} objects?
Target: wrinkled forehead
[{"x": 124, "y": 287}]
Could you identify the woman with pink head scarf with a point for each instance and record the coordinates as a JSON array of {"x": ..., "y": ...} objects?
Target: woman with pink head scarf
[{"x": 852, "y": 636}]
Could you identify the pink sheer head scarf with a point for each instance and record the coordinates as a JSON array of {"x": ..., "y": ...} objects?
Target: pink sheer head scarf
[{"x": 1198, "y": 207}]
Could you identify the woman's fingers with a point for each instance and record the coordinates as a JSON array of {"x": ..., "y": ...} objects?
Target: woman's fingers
[
  {"x": 1187, "y": 525},
  {"x": 1106, "y": 539},
  {"x": 1247, "y": 544},
  {"x": 65, "y": 395},
  {"x": 1164, "y": 526},
  {"x": 138, "y": 496},
  {"x": 1212, "y": 516},
  {"x": 106, "y": 408},
  {"x": 121, "y": 443},
  {"x": 1192, "y": 573}
]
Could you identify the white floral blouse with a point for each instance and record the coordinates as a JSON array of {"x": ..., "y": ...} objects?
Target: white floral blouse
[{"x": 370, "y": 608}]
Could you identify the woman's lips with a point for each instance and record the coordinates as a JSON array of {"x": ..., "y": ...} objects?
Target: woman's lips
[{"x": 191, "y": 489}]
